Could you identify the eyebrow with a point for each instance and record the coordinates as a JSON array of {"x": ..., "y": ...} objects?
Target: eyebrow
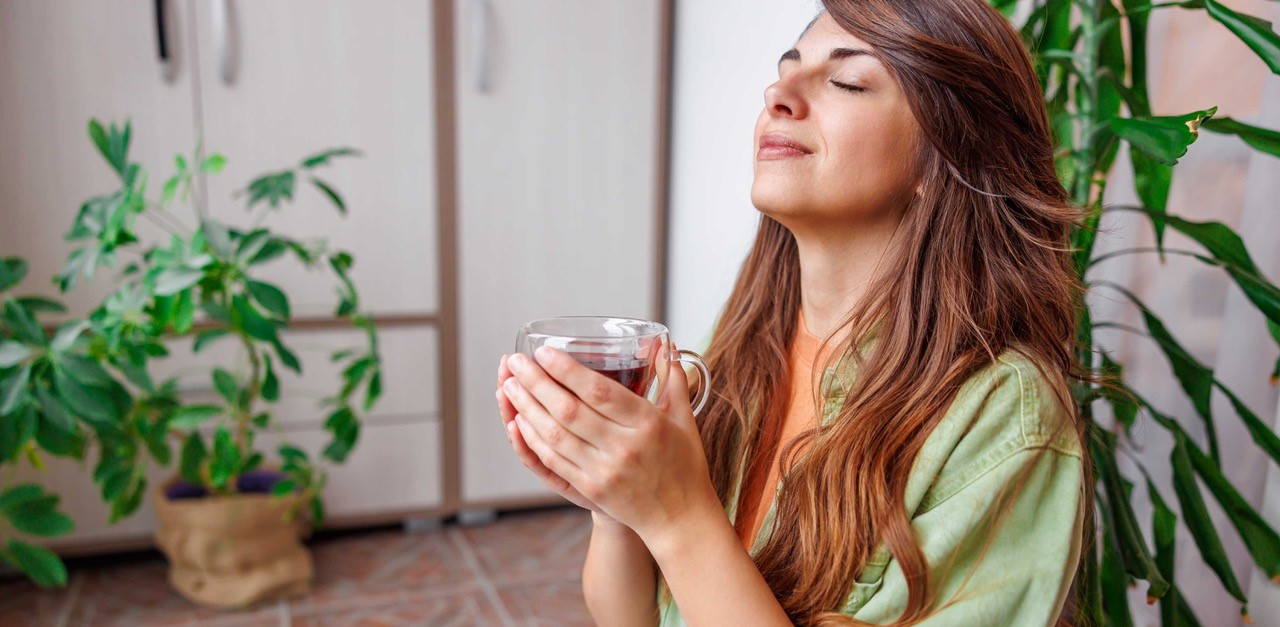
[{"x": 836, "y": 54}]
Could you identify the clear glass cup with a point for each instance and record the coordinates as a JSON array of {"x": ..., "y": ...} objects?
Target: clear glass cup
[{"x": 635, "y": 353}]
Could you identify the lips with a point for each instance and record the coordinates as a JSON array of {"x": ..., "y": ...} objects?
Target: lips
[{"x": 776, "y": 145}]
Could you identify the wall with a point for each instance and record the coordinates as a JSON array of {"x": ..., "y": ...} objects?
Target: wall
[{"x": 726, "y": 53}]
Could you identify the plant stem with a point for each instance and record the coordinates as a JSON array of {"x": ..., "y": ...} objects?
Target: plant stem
[
  {"x": 162, "y": 224},
  {"x": 1146, "y": 249},
  {"x": 173, "y": 219},
  {"x": 246, "y": 413}
]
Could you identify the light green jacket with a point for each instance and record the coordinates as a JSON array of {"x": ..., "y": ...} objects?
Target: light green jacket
[{"x": 1001, "y": 425}]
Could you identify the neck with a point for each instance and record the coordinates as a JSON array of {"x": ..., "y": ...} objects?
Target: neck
[{"x": 836, "y": 267}]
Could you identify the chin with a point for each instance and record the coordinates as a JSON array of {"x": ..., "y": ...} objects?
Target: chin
[{"x": 776, "y": 201}]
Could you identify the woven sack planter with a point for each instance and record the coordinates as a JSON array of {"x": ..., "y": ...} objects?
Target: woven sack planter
[{"x": 230, "y": 551}]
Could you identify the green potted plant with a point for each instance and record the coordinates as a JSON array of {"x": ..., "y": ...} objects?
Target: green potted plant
[
  {"x": 39, "y": 375},
  {"x": 229, "y": 521},
  {"x": 1095, "y": 90}
]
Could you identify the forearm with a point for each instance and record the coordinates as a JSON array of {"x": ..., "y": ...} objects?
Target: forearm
[
  {"x": 618, "y": 578},
  {"x": 713, "y": 579}
]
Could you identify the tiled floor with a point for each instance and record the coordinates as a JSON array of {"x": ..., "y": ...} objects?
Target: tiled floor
[{"x": 523, "y": 569}]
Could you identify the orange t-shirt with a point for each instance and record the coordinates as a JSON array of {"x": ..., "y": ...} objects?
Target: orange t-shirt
[{"x": 760, "y": 481}]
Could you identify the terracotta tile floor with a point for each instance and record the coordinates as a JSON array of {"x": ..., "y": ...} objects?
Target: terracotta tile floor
[{"x": 523, "y": 569}]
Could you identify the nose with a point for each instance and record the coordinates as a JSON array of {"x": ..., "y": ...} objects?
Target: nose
[{"x": 782, "y": 99}]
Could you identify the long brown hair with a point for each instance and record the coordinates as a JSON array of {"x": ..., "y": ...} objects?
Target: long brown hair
[{"x": 980, "y": 264}]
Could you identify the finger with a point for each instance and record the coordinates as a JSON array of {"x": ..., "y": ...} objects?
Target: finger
[
  {"x": 505, "y": 409},
  {"x": 531, "y": 460},
  {"x": 559, "y": 403},
  {"x": 504, "y": 372},
  {"x": 604, "y": 395},
  {"x": 550, "y": 458},
  {"x": 550, "y": 479},
  {"x": 550, "y": 430},
  {"x": 677, "y": 384}
]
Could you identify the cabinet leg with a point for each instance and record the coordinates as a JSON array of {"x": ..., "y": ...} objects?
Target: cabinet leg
[
  {"x": 423, "y": 524},
  {"x": 477, "y": 517}
]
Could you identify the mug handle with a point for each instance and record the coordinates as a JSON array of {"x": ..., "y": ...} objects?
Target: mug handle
[{"x": 689, "y": 357}]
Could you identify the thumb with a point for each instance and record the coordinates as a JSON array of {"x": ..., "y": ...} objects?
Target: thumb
[{"x": 677, "y": 385}]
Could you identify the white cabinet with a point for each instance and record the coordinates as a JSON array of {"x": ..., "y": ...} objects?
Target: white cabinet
[
  {"x": 282, "y": 79},
  {"x": 63, "y": 62},
  {"x": 300, "y": 76},
  {"x": 511, "y": 169},
  {"x": 557, "y": 190}
]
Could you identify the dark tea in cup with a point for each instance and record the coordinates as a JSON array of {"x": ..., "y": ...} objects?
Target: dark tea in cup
[{"x": 635, "y": 353}]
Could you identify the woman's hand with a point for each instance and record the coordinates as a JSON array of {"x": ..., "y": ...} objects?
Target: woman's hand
[
  {"x": 641, "y": 463},
  {"x": 507, "y": 411}
]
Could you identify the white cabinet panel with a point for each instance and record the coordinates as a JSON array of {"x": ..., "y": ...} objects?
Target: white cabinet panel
[
  {"x": 410, "y": 372},
  {"x": 312, "y": 74},
  {"x": 394, "y": 468},
  {"x": 556, "y": 192},
  {"x": 63, "y": 62}
]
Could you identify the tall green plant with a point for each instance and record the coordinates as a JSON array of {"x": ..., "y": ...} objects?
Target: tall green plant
[
  {"x": 35, "y": 371},
  {"x": 1097, "y": 97},
  {"x": 90, "y": 386}
]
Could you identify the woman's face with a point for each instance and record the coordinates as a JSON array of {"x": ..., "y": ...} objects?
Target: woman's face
[{"x": 858, "y": 146}]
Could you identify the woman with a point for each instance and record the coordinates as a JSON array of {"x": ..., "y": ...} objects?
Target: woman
[{"x": 914, "y": 226}]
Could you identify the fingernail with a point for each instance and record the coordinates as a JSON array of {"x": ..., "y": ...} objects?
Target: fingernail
[
  {"x": 543, "y": 354},
  {"x": 520, "y": 423},
  {"x": 515, "y": 363},
  {"x": 510, "y": 385}
]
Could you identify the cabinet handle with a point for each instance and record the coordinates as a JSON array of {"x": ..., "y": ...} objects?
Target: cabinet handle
[
  {"x": 480, "y": 35},
  {"x": 221, "y": 38},
  {"x": 162, "y": 39}
]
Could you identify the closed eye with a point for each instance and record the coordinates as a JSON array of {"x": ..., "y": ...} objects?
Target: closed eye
[{"x": 846, "y": 87}]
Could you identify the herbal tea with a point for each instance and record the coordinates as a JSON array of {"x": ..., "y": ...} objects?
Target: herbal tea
[
  {"x": 633, "y": 374},
  {"x": 627, "y": 350}
]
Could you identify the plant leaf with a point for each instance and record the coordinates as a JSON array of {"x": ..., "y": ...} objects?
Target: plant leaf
[
  {"x": 271, "y": 188},
  {"x": 12, "y": 353},
  {"x": 22, "y": 323},
  {"x": 67, "y": 334},
  {"x": 53, "y": 411},
  {"x": 218, "y": 237},
  {"x": 1254, "y": 31},
  {"x": 1195, "y": 378},
  {"x": 1262, "y": 541},
  {"x": 192, "y": 457},
  {"x": 270, "y": 384},
  {"x": 322, "y": 158},
  {"x": 1264, "y": 139},
  {"x": 333, "y": 195},
  {"x": 13, "y": 389},
  {"x": 191, "y": 416},
  {"x": 173, "y": 280},
  {"x": 1196, "y": 516},
  {"x": 40, "y": 564},
  {"x": 213, "y": 164},
  {"x": 12, "y": 271},
  {"x": 1164, "y": 138},
  {"x": 225, "y": 460},
  {"x": 226, "y": 385},
  {"x": 203, "y": 338},
  {"x": 270, "y": 297},
  {"x": 1128, "y": 535},
  {"x": 254, "y": 324}
]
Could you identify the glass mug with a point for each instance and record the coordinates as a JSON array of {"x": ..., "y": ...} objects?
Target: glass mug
[{"x": 635, "y": 353}]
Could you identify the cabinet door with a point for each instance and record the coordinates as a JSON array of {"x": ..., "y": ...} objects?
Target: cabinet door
[
  {"x": 281, "y": 80},
  {"x": 63, "y": 62},
  {"x": 557, "y": 203}
]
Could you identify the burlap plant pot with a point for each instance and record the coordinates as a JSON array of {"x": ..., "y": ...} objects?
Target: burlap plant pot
[{"x": 232, "y": 551}]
